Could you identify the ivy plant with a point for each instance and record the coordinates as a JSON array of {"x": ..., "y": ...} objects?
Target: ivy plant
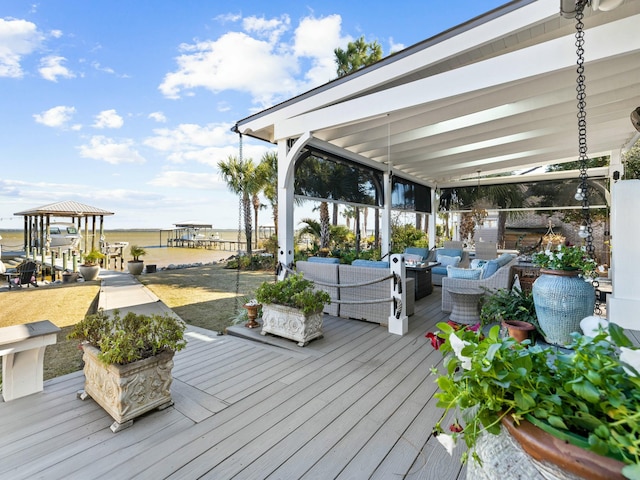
[{"x": 592, "y": 391}]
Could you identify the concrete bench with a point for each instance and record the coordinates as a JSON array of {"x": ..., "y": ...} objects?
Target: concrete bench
[{"x": 22, "y": 351}]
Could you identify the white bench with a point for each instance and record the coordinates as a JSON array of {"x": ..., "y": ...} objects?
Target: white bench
[{"x": 22, "y": 351}]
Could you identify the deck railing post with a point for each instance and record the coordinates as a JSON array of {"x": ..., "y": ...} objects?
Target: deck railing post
[{"x": 398, "y": 319}]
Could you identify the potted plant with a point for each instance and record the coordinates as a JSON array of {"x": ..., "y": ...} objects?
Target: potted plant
[
  {"x": 563, "y": 294},
  {"x": 90, "y": 266},
  {"x": 135, "y": 265},
  {"x": 588, "y": 396},
  {"x": 513, "y": 308},
  {"x": 292, "y": 308},
  {"x": 128, "y": 362}
]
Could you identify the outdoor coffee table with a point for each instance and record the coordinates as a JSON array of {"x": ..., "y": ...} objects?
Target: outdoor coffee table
[
  {"x": 421, "y": 273},
  {"x": 465, "y": 305}
]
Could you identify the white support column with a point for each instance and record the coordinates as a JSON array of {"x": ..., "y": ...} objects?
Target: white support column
[
  {"x": 285, "y": 207},
  {"x": 433, "y": 216},
  {"x": 624, "y": 303},
  {"x": 398, "y": 321},
  {"x": 385, "y": 230}
]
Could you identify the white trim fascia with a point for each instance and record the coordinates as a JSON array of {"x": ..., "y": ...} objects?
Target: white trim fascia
[
  {"x": 612, "y": 39},
  {"x": 597, "y": 172},
  {"x": 503, "y": 26}
]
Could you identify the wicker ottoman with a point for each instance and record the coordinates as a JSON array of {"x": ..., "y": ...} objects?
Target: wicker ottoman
[{"x": 465, "y": 305}]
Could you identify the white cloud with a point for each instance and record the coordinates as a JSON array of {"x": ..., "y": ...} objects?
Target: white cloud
[
  {"x": 108, "y": 119},
  {"x": 395, "y": 47},
  {"x": 271, "y": 29},
  {"x": 158, "y": 117},
  {"x": 110, "y": 151},
  {"x": 56, "y": 116},
  {"x": 190, "y": 142},
  {"x": 259, "y": 60},
  {"x": 52, "y": 67},
  {"x": 17, "y": 39},
  {"x": 56, "y": 33},
  {"x": 188, "y": 180}
]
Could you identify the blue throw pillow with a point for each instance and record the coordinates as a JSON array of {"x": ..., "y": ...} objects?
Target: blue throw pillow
[
  {"x": 466, "y": 273},
  {"x": 478, "y": 263},
  {"x": 490, "y": 268},
  {"x": 370, "y": 263},
  {"x": 445, "y": 260}
]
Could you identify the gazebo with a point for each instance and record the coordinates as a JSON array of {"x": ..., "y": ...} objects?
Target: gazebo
[
  {"x": 496, "y": 94},
  {"x": 38, "y": 220}
]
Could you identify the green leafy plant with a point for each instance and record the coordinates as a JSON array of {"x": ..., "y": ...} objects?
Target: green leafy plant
[
  {"x": 567, "y": 258},
  {"x": 92, "y": 258},
  {"x": 123, "y": 340},
  {"x": 294, "y": 291},
  {"x": 592, "y": 391},
  {"x": 508, "y": 304},
  {"x": 137, "y": 252}
]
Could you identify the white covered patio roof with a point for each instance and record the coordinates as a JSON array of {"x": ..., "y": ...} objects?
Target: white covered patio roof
[{"x": 495, "y": 94}]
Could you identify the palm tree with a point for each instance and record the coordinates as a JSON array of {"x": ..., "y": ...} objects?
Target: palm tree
[
  {"x": 241, "y": 179},
  {"x": 268, "y": 171}
]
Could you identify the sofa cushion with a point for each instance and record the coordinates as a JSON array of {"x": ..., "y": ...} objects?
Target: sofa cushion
[
  {"x": 446, "y": 260},
  {"x": 370, "y": 263},
  {"x": 422, "y": 252},
  {"x": 466, "y": 273},
  {"x": 439, "y": 271},
  {"x": 323, "y": 260},
  {"x": 450, "y": 252}
]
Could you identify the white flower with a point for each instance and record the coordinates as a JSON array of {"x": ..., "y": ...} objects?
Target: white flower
[
  {"x": 447, "y": 442},
  {"x": 457, "y": 345},
  {"x": 591, "y": 325},
  {"x": 559, "y": 255},
  {"x": 630, "y": 357}
]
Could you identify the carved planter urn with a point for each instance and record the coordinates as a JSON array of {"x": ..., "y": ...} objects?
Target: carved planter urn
[
  {"x": 127, "y": 391},
  {"x": 291, "y": 323}
]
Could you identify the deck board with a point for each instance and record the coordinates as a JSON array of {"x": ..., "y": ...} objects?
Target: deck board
[{"x": 356, "y": 403}]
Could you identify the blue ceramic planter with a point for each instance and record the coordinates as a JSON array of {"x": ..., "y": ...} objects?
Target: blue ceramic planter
[{"x": 561, "y": 299}]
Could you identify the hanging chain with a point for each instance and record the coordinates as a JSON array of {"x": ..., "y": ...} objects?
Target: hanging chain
[
  {"x": 240, "y": 211},
  {"x": 581, "y": 97}
]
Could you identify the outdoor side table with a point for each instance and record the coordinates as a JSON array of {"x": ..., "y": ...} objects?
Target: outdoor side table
[{"x": 465, "y": 305}]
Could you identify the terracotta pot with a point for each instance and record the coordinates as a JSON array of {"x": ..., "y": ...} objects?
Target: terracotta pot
[
  {"x": 518, "y": 330},
  {"x": 252, "y": 313},
  {"x": 551, "y": 450}
]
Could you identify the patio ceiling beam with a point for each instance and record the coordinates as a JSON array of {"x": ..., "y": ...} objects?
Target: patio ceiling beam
[{"x": 615, "y": 38}]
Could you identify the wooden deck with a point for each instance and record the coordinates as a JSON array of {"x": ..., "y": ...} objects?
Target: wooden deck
[{"x": 356, "y": 404}]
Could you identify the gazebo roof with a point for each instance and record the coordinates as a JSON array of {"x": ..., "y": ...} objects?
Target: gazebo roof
[{"x": 65, "y": 209}]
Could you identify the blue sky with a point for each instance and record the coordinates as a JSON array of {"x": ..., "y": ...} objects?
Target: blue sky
[{"x": 127, "y": 105}]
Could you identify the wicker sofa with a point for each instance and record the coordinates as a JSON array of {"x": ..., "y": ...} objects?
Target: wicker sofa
[
  {"x": 363, "y": 271},
  {"x": 500, "y": 279}
]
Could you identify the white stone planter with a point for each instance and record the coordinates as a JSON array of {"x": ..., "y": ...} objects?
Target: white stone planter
[
  {"x": 135, "y": 268},
  {"x": 127, "y": 391},
  {"x": 89, "y": 272},
  {"x": 291, "y": 323}
]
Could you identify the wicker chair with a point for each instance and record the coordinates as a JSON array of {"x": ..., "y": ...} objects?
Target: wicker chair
[
  {"x": 500, "y": 279},
  {"x": 324, "y": 272}
]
